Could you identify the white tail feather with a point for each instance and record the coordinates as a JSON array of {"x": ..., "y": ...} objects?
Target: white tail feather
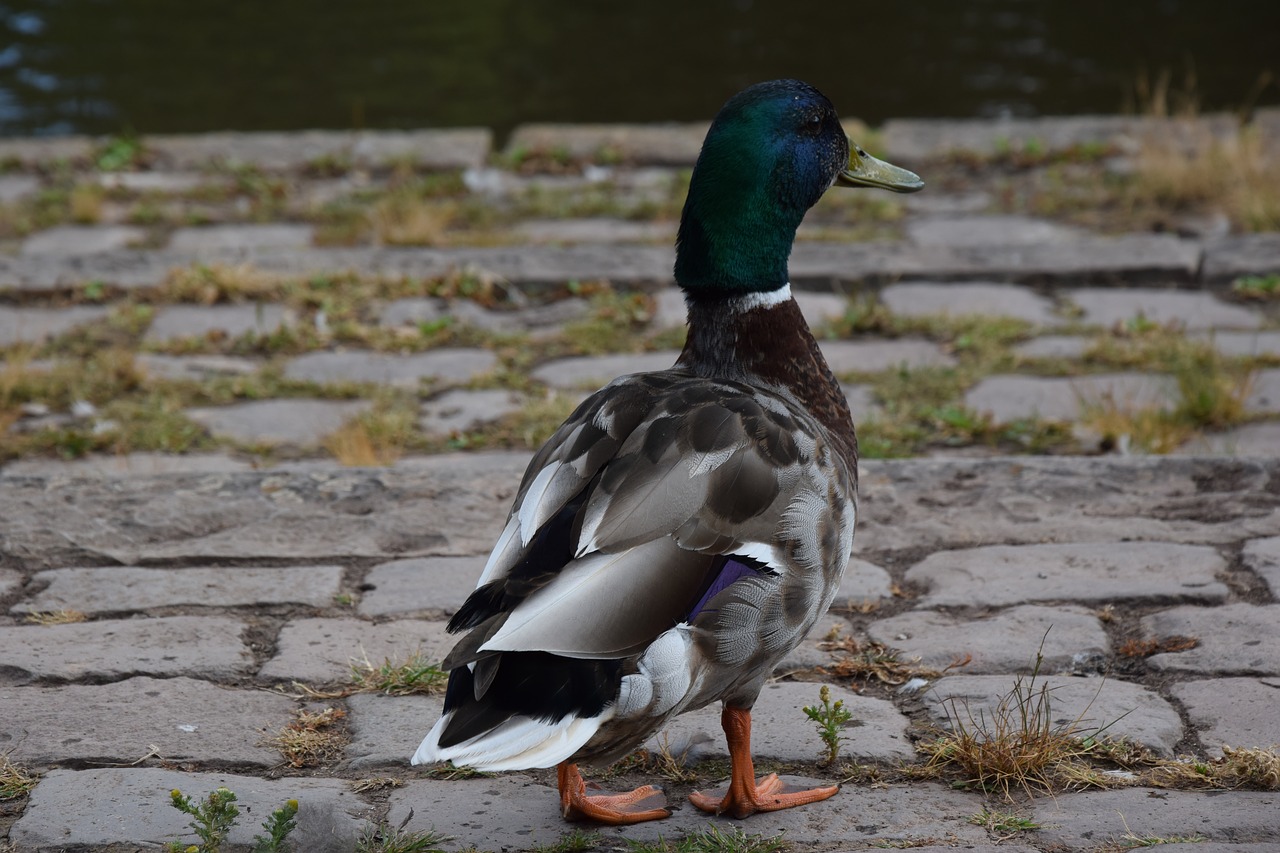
[{"x": 520, "y": 743}]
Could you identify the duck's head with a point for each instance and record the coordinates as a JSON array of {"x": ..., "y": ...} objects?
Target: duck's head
[{"x": 770, "y": 154}]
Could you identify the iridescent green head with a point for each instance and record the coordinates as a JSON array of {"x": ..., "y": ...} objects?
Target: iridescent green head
[{"x": 770, "y": 154}]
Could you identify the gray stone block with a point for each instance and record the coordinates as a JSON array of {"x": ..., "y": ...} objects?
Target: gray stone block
[
  {"x": 862, "y": 402},
  {"x": 781, "y": 731},
  {"x": 591, "y": 372},
  {"x": 1263, "y": 557},
  {"x": 204, "y": 646},
  {"x": 1235, "y": 639},
  {"x": 323, "y": 650},
  {"x": 1264, "y": 395},
  {"x": 667, "y": 145},
  {"x": 423, "y": 584},
  {"x": 231, "y": 321},
  {"x": 1054, "y": 346},
  {"x": 863, "y": 583},
  {"x": 64, "y": 240},
  {"x": 386, "y": 730},
  {"x": 1012, "y": 397},
  {"x": 1007, "y": 641},
  {"x": 180, "y": 718},
  {"x": 1244, "y": 344},
  {"x": 205, "y": 238},
  {"x": 454, "y": 148},
  {"x": 516, "y": 812},
  {"x": 288, "y": 421},
  {"x": 35, "y": 325},
  {"x": 960, "y": 299},
  {"x": 872, "y": 356},
  {"x": 1084, "y": 705},
  {"x": 125, "y": 465},
  {"x": 434, "y": 148},
  {"x": 1191, "y": 310},
  {"x": 459, "y": 411},
  {"x": 195, "y": 367},
  {"x": 10, "y": 581},
  {"x": 1250, "y": 440},
  {"x": 1095, "y": 819},
  {"x": 1237, "y": 712},
  {"x": 121, "y": 589},
  {"x": 1229, "y": 258},
  {"x": 989, "y": 229},
  {"x": 411, "y": 311},
  {"x": 446, "y": 364},
  {"x": 937, "y": 202},
  {"x": 72, "y": 809},
  {"x": 16, "y": 187},
  {"x": 594, "y": 230},
  {"x": 1000, "y": 575},
  {"x": 172, "y": 183}
]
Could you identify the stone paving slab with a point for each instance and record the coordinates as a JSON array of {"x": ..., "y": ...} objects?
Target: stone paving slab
[
  {"x": 447, "y": 364},
  {"x": 989, "y": 229},
  {"x": 458, "y": 148},
  {"x": 276, "y": 235},
  {"x": 231, "y": 321},
  {"x": 70, "y": 809},
  {"x": 601, "y": 230},
  {"x": 35, "y": 325},
  {"x": 323, "y": 650},
  {"x": 668, "y": 145},
  {"x": 960, "y": 299},
  {"x": 195, "y": 367},
  {"x": 1013, "y": 574},
  {"x": 997, "y": 643},
  {"x": 1054, "y": 346},
  {"x": 16, "y": 187},
  {"x": 1229, "y": 258},
  {"x": 182, "y": 719},
  {"x": 386, "y": 730},
  {"x": 1191, "y": 310},
  {"x": 514, "y": 812},
  {"x": 120, "y": 589},
  {"x": 292, "y": 421},
  {"x": 125, "y": 465},
  {"x": 1233, "y": 639},
  {"x": 1238, "y": 712},
  {"x": 1123, "y": 709},
  {"x": 459, "y": 410},
  {"x": 1244, "y": 344},
  {"x": 204, "y": 646},
  {"x": 174, "y": 183},
  {"x": 1250, "y": 440},
  {"x": 423, "y": 584},
  {"x": 1264, "y": 394},
  {"x": 863, "y": 583},
  {"x": 781, "y": 731},
  {"x": 873, "y": 356},
  {"x": 594, "y": 371},
  {"x": 1263, "y": 557},
  {"x": 862, "y": 402},
  {"x": 1011, "y": 397},
  {"x": 81, "y": 239},
  {"x": 10, "y": 580},
  {"x": 1089, "y": 820}
]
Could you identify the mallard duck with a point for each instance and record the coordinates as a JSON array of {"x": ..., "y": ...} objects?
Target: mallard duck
[{"x": 683, "y": 530}]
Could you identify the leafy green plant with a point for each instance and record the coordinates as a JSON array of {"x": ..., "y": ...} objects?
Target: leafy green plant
[
  {"x": 214, "y": 817},
  {"x": 830, "y": 719}
]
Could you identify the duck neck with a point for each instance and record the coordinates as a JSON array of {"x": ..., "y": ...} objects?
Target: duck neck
[{"x": 761, "y": 338}]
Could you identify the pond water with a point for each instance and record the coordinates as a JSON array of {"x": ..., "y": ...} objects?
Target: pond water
[{"x": 159, "y": 66}]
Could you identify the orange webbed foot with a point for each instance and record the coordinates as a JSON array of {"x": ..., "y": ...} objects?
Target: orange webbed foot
[
  {"x": 644, "y": 803},
  {"x": 766, "y": 794}
]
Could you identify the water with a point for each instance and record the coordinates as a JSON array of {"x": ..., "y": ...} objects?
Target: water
[{"x": 159, "y": 66}]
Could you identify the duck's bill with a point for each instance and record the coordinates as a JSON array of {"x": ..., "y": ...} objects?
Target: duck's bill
[{"x": 866, "y": 171}]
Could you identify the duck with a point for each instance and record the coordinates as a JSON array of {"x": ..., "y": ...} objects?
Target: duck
[{"x": 684, "y": 529}]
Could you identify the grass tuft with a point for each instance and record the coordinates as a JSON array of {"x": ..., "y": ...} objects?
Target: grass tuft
[
  {"x": 1005, "y": 824},
  {"x": 713, "y": 840},
  {"x": 15, "y": 781},
  {"x": 399, "y": 677},
  {"x": 56, "y": 617},
  {"x": 312, "y": 738},
  {"x": 383, "y": 838},
  {"x": 573, "y": 841}
]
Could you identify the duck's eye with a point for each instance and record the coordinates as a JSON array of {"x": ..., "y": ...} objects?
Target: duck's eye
[{"x": 815, "y": 120}]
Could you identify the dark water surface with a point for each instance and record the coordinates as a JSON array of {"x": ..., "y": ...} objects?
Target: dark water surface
[{"x": 160, "y": 66}]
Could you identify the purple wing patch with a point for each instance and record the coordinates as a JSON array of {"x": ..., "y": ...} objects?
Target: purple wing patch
[{"x": 734, "y": 570}]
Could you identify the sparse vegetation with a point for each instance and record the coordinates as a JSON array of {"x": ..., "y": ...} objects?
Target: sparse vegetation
[
  {"x": 399, "y": 677},
  {"x": 1004, "y": 824},
  {"x": 831, "y": 720},
  {"x": 383, "y": 838},
  {"x": 55, "y": 617},
  {"x": 312, "y": 738},
  {"x": 573, "y": 841},
  {"x": 15, "y": 781},
  {"x": 213, "y": 818},
  {"x": 713, "y": 840}
]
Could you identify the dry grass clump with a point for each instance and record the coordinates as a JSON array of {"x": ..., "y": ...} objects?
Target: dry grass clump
[
  {"x": 55, "y": 617},
  {"x": 374, "y": 438},
  {"x": 15, "y": 781},
  {"x": 398, "y": 677},
  {"x": 207, "y": 284},
  {"x": 312, "y": 738},
  {"x": 1236, "y": 175},
  {"x": 403, "y": 219}
]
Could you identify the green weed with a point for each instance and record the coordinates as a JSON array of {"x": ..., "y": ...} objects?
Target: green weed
[
  {"x": 1257, "y": 286},
  {"x": 573, "y": 841},
  {"x": 830, "y": 719},
  {"x": 712, "y": 840},
  {"x": 382, "y": 838},
  {"x": 1005, "y": 824},
  {"x": 414, "y": 674},
  {"x": 214, "y": 818}
]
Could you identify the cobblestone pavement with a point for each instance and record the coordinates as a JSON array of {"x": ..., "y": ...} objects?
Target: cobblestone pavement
[{"x": 197, "y": 349}]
